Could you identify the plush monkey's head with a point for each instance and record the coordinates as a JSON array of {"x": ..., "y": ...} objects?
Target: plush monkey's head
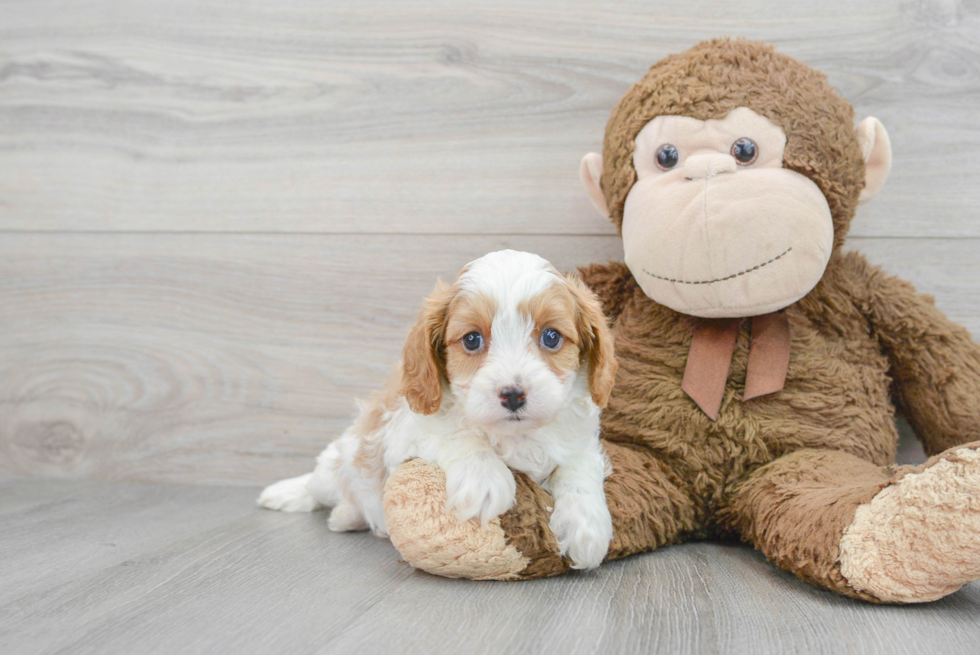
[{"x": 732, "y": 172}]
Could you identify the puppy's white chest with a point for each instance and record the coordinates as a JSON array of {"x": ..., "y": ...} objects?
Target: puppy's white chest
[{"x": 527, "y": 453}]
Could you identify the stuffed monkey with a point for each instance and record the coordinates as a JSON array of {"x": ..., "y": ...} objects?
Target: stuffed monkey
[{"x": 760, "y": 367}]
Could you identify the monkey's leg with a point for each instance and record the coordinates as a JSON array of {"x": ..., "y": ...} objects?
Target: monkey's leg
[
  {"x": 847, "y": 525},
  {"x": 648, "y": 511}
]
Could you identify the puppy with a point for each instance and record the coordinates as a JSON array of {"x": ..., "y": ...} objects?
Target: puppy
[{"x": 507, "y": 368}]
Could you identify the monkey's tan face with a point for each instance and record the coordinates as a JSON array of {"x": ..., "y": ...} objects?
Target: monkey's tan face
[{"x": 715, "y": 226}]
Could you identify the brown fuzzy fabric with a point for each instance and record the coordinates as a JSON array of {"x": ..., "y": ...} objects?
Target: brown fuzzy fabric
[
  {"x": 934, "y": 362},
  {"x": 796, "y": 509},
  {"x": 649, "y": 509},
  {"x": 787, "y": 471},
  {"x": 613, "y": 283},
  {"x": 528, "y": 531}
]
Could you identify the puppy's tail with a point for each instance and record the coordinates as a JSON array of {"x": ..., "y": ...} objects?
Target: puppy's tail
[{"x": 309, "y": 492}]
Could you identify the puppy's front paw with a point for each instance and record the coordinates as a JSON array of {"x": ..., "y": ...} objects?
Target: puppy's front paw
[
  {"x": 583, "y": 527},
  {"x": 480, "y": 486}
]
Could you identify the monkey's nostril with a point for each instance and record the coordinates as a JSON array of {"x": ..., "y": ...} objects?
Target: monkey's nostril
[{"x": 513, "y": 398}]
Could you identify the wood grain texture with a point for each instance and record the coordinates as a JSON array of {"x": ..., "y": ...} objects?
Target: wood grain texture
[
  {"x": 230, "y": 578},
  {"x": 437, "y": 118},
  {"x": 233, "y": 359}
]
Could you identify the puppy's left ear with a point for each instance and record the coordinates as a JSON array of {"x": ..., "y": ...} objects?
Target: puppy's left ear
[
  {"x": 423, "y": 359},
  {"x": 597, "y": 341}
]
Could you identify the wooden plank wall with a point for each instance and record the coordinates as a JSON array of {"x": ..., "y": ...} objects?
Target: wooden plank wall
[{"x": 217, "y": 219}]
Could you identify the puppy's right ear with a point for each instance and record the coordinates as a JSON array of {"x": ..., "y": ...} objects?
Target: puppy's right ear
[{"x": 423, "y": 357}]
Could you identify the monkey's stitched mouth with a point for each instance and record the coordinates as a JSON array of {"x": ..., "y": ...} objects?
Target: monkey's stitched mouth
[{"x": 721, "y": 279}]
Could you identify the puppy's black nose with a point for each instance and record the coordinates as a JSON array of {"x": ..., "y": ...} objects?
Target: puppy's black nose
[{"x": 512, "y": 398}]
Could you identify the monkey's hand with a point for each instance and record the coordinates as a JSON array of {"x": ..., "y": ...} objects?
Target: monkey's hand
[{"x": 517, "y": 545}]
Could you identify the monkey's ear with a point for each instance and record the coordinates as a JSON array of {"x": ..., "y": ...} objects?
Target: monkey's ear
[
  {"x": 590, "y": 172},
  {"x": 877, "y": 152}
]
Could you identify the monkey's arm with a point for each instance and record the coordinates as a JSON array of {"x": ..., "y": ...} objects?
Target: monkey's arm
[
  {"x": 612, "y": 282},
  {"x": 647, "y": 507},
  {"x": 935, "y": 364}
]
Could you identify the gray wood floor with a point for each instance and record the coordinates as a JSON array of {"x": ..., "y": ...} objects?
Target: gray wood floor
[
  {"x": 99, "y": 567},
  {"x": 217, "y": 220}
]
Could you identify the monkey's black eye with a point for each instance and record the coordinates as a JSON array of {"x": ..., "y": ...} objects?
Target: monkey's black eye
[
  {"x": 551, "y": 339},
  {"x": 745, "y": 151},
  {"x": 667, "y": 157},
  {"x": 473, "y": 341}
]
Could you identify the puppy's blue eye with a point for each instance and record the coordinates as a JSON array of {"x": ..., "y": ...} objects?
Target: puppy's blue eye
[
  {"x": 551, "y": 339},
  {"x": 473, "y": 341}
]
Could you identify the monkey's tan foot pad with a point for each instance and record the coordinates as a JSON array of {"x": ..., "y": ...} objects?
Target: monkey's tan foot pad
[
  {"x": 518, "y": 545},
  {"x": 919, "y": 538}
]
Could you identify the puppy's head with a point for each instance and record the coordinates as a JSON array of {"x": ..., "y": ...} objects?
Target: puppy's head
[{"x": 513, "y": 340}]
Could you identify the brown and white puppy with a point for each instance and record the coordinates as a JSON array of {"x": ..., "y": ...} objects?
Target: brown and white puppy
[{"x": 507, "y": 368}]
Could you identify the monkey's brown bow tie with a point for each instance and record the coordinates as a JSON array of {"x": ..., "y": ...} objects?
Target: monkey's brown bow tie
[{"x": 710, "y": 357}]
